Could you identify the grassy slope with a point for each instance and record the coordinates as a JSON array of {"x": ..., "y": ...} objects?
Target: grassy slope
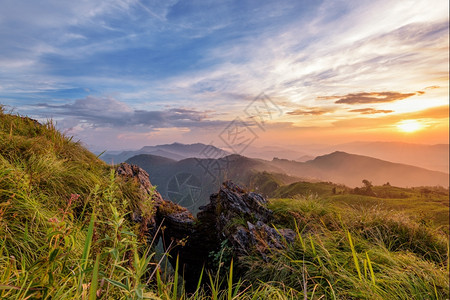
[
  {"x": 357, "y": 253},
  {"x": 402, "y": 234},
  {"x": 51, "y": 188},
  {"x": 429, "y": 207}
]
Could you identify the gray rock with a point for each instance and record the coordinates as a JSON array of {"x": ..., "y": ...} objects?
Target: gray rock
[{"x": 233, "y": 214}]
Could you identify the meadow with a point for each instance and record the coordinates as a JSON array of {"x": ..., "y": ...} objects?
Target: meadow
[{"x": 66, "y": 233}]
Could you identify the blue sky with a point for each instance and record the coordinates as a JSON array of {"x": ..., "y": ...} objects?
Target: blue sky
[{"x": 122, "y": 74}]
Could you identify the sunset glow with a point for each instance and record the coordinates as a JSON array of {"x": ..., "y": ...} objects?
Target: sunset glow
[
  {"x": 135, "y": 73},
  {"x": 409, "y": 126},
  {"x": 217, "y": 120}
]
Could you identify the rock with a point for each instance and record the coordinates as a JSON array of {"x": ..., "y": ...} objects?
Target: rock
[
  {"x": 238, "y": 217},
  {"x": 178, "y": 220},
  {"x": 232, "y": 215},
  {"x": 139, "y": 175},
  {"x": 232, "y": 205}
]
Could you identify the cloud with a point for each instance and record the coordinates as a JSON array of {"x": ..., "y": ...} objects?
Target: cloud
[
  {"x": 373, "y": 97},
  {"x": 370, "y": 111},
  {"x": 300, "y": 66},
  {"x": 308, "y": 112},
  {"x": 435, "y": 114},
  {"x": 110, "y": 112},
  {"x": 195, "y": 63}
]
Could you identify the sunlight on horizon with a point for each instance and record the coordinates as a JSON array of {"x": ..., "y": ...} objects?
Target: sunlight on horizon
[{"x": 410, "y": 126}]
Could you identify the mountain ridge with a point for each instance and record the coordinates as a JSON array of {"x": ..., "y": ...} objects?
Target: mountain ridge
[
  {"x": 432, "y": 157},
  {"x": 338, "y": 167},
  {"x": 175, "y": 151}
]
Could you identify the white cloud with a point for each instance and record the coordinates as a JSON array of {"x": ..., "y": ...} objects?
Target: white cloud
[
  {"x": 367, "y": 49},
  {"x": 343, "y": 47}
]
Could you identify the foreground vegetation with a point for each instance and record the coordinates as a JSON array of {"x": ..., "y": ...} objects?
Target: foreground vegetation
[{"x": 66, "y": 232}]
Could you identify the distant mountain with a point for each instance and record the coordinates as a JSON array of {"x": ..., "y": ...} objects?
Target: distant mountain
[
  {"x": 304, "y": 158},
  {"x": 433, "y": 157},
  {"x": 269, "y": 152},
  {"x": 351, "y": 169},
  {"x": 175, "y": 151}
]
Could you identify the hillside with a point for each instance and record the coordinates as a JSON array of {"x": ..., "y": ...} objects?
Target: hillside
[
  {"x": 206, "y": 175},
  {"x": 350, "y": 169},
  {"x": 425, "y": 204},
  {"x": 73, "y": 227},
  {"x": 191, "y": 181},
  {"x": 63, "y": 216}
]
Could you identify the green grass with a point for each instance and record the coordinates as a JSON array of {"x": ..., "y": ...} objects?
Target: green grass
[
  {"x": 429, "y": 210},
  {"x": 425, "y": 204},
  {"x": 66, "y": 233},
  {"x": 363, "y": 254},
  {"x": 50, "y": 187},
  {"x": 308, "y": 188}
]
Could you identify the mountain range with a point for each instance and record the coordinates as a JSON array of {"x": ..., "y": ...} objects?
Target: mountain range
[
  {"x": 432, "y": 157},
  {"x": 175, "y": 151},
  {"x": 190, "y": 181},
  {"x": 351, "y": 169}
]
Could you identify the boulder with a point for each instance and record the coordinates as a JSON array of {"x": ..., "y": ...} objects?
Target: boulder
[
  {"x": 234, "y": 215},
  {"x": 241, "y": 218}
]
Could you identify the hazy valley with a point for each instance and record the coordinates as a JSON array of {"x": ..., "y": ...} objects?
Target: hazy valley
[{"x": 168, "y": 164}]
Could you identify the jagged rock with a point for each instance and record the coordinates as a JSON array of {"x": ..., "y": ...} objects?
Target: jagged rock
[
  {"x": 140, "y": 175},
  {"x": 232, "y": 214},
  {"x": 232, "y": 205},
  {"x": 177, "y": 220},
  {"x": 265, "y": 238},
  {"x": 238, "y": 217}
]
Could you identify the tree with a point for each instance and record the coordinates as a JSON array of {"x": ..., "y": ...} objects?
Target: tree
[
  {"x": 367, "y": 184},
  {"x": 367, "y": 189}
]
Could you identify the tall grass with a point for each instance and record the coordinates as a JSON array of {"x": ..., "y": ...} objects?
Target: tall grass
[
  {"x": 66, "y": 233},
  {"x": 348, "y": 257}
]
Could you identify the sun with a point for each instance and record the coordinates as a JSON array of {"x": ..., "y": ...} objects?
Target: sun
[{"x": 409, "y": 125}]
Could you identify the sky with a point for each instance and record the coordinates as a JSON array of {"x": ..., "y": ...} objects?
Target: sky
[{"x": 122, "y": 74}]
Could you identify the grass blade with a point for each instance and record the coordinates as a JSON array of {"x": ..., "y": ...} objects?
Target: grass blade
[
  {"x": 94, "y": 282},
  {"x": 230, "y": 282},
  {"x": 355, "y": 257},
  {"x": 372, "y": 274},
  {"x": 175, "y": 281}
]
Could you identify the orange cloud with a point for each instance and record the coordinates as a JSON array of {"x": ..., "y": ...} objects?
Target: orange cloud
[
  {"x": 440, "y": 112},
  {"x": 373, "y": 97},
  {"x": 370, "y": 111},
  {"x": 307, "y": 112}
]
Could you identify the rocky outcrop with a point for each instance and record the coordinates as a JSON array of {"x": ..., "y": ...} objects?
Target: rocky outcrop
[
  {"x": 241, "y": 218},
  {"x": 234, "y": 215},
  {"x": 177, "y": 222},
  {"x": 139, "y": 175}
]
